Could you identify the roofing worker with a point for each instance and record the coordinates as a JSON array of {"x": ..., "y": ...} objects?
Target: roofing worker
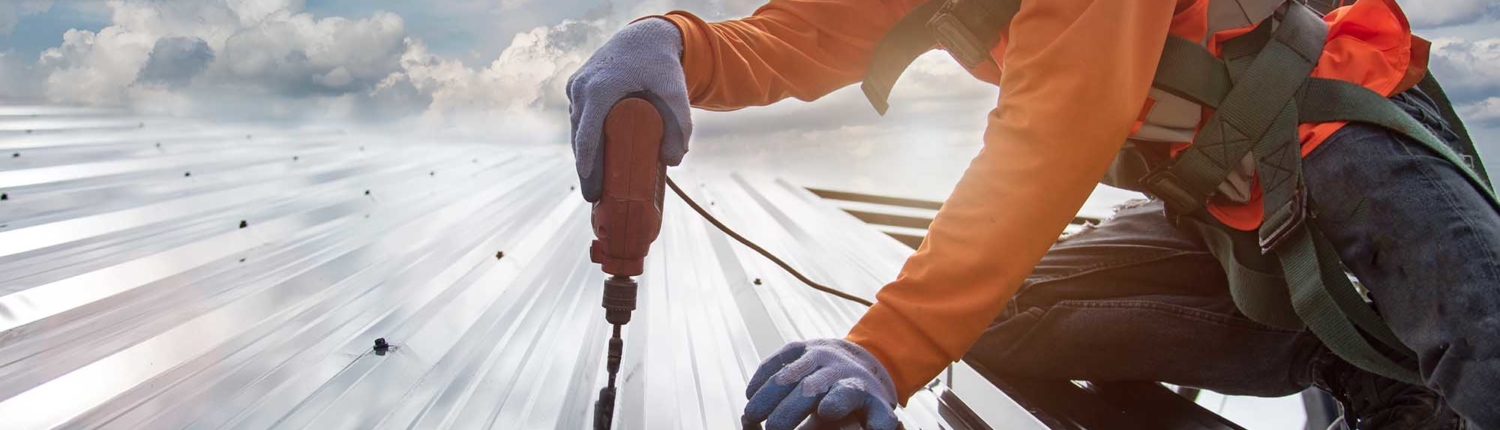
[{"x": 1229, "y": 279}]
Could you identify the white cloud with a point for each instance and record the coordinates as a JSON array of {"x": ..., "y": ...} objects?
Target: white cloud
[
  {"x": 1469, "y": 71},
  {"x": 262, "y": 50},
  {"x": 521, "y": 91},
  {"x": 175, "y": 61},
  {"x": 300, "y": 55},
  {"x": 1485, "y": 112},
  {"x": 1439, "y": 13},
  {"x": 94, "y": 68},
  {"x": 268, "y": 59}
]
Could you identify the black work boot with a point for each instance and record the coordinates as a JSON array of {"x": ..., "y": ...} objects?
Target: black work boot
[{"x": 1374, "y": 402}]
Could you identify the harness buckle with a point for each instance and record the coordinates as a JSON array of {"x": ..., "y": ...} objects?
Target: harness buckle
[
  {"x": 1165, "y": 185},
  {"x": 953, "y": 29},
  {"x": 1280, "y": 224}
]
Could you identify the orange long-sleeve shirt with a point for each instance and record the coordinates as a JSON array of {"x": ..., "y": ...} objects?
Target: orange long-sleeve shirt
[{"x": 1076, "y": 75}]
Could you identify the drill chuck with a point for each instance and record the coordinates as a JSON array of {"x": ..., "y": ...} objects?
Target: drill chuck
[{"x": 619, "y": 299}]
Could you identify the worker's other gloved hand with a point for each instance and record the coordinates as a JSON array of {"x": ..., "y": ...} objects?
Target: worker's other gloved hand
[
  {"x": 644, "y": 59},
  {"x": 831, "y": 378}
]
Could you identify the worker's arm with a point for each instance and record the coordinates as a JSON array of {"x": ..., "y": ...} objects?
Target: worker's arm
[
  {"x": 788, "y": 48},
  {"x": 1076, "y": 75}
]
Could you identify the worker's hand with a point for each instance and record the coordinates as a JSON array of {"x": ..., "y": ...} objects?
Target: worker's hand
[
  {"x": 644, "y": 59},
  {"x": 831, "y": 378}
]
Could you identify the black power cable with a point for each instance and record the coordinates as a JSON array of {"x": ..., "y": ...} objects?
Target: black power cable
[{"x": 762, "y": 251}]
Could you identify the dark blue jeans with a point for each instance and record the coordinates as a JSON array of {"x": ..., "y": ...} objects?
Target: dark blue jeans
[{"x": 1138, "y": 299}]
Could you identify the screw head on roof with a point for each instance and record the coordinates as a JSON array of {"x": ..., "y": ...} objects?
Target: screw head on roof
[
  {"x": 15, "y": 155},
  {"x": 186, "y": 174},
  {"x": 571, "y": 188},
  {"x": 432, "y": 173},
  {"x": 295, "y": 158},
  {"x": 242, "y": 260},
  {"x": 158, "y": 144},
  {"x": 381, "y": 346},
  {"x": 4, "y": 196},
  {"x": 499, "y": 255},
  {"x": 244, "y": 223},
  {"x": 367, "y": 192},
  {"x": 28, "y": 131},
  {"x": 757, "y": 281}
]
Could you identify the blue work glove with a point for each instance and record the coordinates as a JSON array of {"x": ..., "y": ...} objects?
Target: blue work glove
[
  {"x": 833, "y": 378},
  {"x": 644, "y": 59}
]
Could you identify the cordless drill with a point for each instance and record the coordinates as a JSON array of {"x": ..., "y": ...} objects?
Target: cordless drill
[{"x": 626, "y": 219}]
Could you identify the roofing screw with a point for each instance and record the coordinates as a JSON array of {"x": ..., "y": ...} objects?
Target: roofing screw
[
  {"x": 158, "y": 144},
  {"x": 4, "y": 196},
  {"x": 15, "y": 155},
  {"x": 242, "y": 260},
  {"x": 187, "y": 174},
  {"x": 432, "y": 173},
  {"x": 570, "y": 188},
  {"x": 757, "y": 281},
  {"x": 367, "y": 192},
  {"x": 295, "y": 158},
  {"x": 244, "y": 223},
  {"x": 499, "y": 255},
  {"x": 28, "y": 131},
  {"x": 381, "y": 346}
]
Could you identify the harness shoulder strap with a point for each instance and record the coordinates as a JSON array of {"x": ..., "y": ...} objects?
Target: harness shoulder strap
[
  {"x": 1262, "y": 94},
  {"x": 1187, "y": 70},
  {"x": 905, "y": 42}
]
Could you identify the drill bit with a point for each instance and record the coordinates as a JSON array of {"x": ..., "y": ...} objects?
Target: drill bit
[
  {"x": 604, "y": 408},
  {"x": 619, "y": 301}
]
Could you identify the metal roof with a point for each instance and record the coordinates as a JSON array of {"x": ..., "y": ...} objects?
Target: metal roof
[{"x": 159, "y": 273}]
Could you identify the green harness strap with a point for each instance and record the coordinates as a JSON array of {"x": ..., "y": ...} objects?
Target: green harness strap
[
  {"x": 1323, "y": 296},
  {"x": 1334, "y": 100},
  {"x": 1429, "y": 85},
  {"x": 1256, "y": 282}
]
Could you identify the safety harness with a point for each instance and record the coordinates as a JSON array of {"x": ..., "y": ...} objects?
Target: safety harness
[{"x": 1286, "y": 274}]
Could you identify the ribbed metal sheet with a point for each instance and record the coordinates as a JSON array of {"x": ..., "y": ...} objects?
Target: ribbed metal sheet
[{"x": 132, "y": 297}]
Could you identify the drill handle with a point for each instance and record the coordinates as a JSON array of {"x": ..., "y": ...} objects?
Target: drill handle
[{"x": 627, "y": 217}]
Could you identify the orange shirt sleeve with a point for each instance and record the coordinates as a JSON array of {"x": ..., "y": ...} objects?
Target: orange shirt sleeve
[
  {"x": 1076, "y": 73},
  {"x": 787, "y": 48}
]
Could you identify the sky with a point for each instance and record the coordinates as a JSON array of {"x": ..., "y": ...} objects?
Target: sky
[{"x": 495, "y": 68}]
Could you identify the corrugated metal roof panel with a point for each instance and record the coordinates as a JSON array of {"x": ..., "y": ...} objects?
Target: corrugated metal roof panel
[{"x": 165, "y": 274}]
